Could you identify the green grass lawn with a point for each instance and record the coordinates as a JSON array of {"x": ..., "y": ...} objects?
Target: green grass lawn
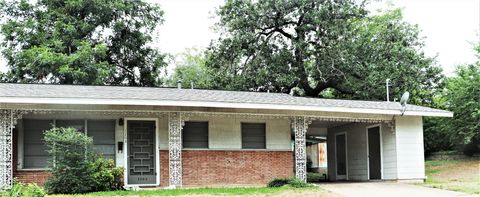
[
  {"x": 237, "y": 191},
  {"x": 455, "y": 175}
]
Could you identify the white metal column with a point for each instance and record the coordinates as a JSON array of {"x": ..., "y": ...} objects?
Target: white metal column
[
  {"x": 8, "y": 119},
  {"x": 300, "y": 126},
  {"x": 175, "y": 124}
]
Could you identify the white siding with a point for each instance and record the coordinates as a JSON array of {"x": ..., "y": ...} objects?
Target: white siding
[
  {"x": 389, "y": 154},
  {"x": 224, "y": 133},
  {"x": 163, "y": 133},
  {"x": 356, "y": 150},
  {"x": 279, "y": 135},
  {"x": 410, "y": 158}
]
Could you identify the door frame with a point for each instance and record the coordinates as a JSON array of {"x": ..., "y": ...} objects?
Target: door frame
[
  {"x": 381, "y": 149},
  {"x": 125, "y": 152},
  {"x": 346, "y": 157}
]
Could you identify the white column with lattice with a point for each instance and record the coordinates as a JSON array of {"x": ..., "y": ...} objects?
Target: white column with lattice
[
  {"x": 8, "y": 120},
  {"x": 175, "y": 124},
  {"x": 300, "y": 126}
]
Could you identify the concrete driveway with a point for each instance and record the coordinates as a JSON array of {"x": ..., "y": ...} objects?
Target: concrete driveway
[{"x": 388, "y": 189}]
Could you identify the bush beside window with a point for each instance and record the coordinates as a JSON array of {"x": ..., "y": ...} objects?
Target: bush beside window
[{"x": 75, "y": 168}]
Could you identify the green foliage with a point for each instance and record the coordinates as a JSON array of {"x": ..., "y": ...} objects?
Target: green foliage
[
  {"x": 190, "y": 68},
  {"x": 20, "y": 189},
  {"x": 106, "y": 177},
  {"x": 317, "y": 46},
  {"x": 74, "y": 168},
  {"x": 293, "y": 182},
  {"x": 70, "y": 169},
  {"x": 297, "y": 183},
  {"x": 81, "y": 42},
  {"x": 279, "y": 182},
  {"x": 436, "y": 135},
  {"x": 461, "y": 95},
  {"x": 313, "y": 177}
]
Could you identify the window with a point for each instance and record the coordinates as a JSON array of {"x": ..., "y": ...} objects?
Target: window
[
  {"x": 35, "y": 153},
  {"x": 253, "y": 136},
  {"x": 35, "y": 149},
  {"x": 195, "y": 135},
  {"x": 79, "y": 125},
  {"x": 103, "y": 134}
]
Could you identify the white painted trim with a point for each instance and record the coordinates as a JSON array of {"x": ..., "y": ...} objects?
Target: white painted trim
[
  {"x": 125, "y": 152},
  {"x": 346, "y": 157},
  {"x": 143, "y": 102},
  {"x": 33, "y": 169},
  {"x": 20, "y": 145},
  {"x": 381, "y": 149}
]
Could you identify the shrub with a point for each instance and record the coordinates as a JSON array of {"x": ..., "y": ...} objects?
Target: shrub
[
  {"x": 106, "y": 176},
  {"x": 69, "y": 166},
  {"x": 20, "y": 189},
  {"x": 293, "y": 182},
  {"x": 278, "y": 182},
  {"x": 297, "y": 183},
  {"x": 313, "y": 177},
  {"x": 74, "y": 168}
]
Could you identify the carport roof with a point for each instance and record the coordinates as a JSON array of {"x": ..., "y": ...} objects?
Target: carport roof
[{"x": 123, "y": 95}]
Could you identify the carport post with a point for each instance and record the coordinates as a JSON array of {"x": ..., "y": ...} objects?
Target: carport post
[
  {"x": 8, "y": 120},
  {"x": 300, "y": 126}
]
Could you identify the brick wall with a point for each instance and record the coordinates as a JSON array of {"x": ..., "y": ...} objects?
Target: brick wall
[
  {"x": 218, "y": 167},
  {"x": 31, "y": 176},
  {"x": 208, "y": 167}
]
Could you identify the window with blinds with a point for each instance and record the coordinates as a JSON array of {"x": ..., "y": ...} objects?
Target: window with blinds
[
  {"x": 195, "y": 135},
  {"x": 253, "y": 136},
  {"x": 103, "y": 134},
  {"x": 35, "y": 153}
]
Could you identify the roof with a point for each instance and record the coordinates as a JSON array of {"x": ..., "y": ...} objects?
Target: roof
[{"x": 123, "y": 95}]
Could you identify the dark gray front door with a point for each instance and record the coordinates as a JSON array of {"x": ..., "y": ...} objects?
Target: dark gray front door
[
  {"x": 341, "y": 156},
  {"x": 374, "y": 154},
  {"x": 141, "y": 152}
]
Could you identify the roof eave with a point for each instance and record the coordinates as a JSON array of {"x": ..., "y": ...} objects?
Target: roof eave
[{"x": 83, "y": 101}]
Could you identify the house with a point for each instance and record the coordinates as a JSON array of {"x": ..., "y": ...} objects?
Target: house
[{"x": 186, "y": 137}]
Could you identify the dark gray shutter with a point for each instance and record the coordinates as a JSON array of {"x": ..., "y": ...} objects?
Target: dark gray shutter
[
  {"x": 35, "y": 153},
  {"x": 79, "y": 125},
  {"x": 195, "y": 135},
  {"x": 103, "y": 134},
  {"x": 253, "y": 136}
]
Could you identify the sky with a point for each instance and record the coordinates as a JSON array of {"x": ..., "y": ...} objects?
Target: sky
[{"x": 450, "y": 27}]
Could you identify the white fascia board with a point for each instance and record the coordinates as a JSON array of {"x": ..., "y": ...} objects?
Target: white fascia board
[{"x": 139, "y": 102}]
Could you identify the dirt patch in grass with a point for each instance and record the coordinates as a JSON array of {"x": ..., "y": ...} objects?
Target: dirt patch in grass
[{"x": 456, "y": 175}]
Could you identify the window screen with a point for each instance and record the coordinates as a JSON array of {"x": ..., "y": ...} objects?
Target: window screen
[
  {"x": 103, "y": 134},
  {"x": 35, "y": 150},
  {"x": 76, "y": 124},
  {"x": 195, "y": 135},
  {"x": 253, "y": 136}
]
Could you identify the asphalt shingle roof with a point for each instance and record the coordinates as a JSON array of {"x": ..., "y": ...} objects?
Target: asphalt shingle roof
[{"x": 44, "y": 91}]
